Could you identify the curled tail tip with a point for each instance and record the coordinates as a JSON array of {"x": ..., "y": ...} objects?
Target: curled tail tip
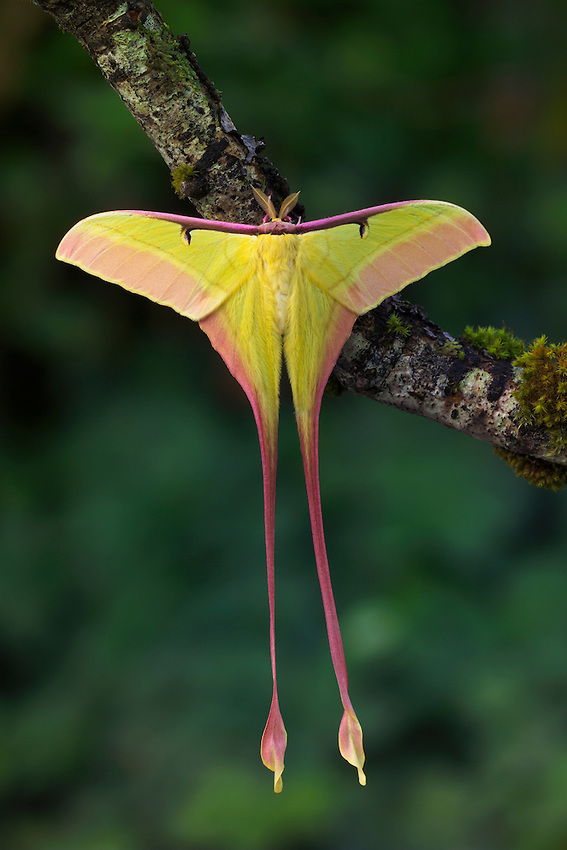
[
  {"x": 273, "y": 745},
  {"x": 350, "y": 743},
  {"x": 278, "y": 769}
]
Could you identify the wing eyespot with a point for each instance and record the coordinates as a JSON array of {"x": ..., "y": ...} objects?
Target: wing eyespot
[
  {"x": 363, "y": 229},
  {"x": 186, "y": 235}
]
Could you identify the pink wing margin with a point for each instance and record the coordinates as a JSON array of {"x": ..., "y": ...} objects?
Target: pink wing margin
[
  {"x": 360, "y": 216},
  {"x": 192, "y": 223}
]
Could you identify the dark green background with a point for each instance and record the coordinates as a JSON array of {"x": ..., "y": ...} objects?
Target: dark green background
[{"x": 133, "y": 620}]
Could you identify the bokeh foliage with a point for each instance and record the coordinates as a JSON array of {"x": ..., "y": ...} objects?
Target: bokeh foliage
[{"x": 133, "y": 625}]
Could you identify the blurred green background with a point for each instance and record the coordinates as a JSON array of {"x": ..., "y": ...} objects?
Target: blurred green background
[{"x": 133, "y": 620}]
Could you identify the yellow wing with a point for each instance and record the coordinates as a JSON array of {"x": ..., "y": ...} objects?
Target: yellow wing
[
  {"x": 341, "y": 271},
  {"x": 244, "y": 332},
  {"x": 207, "y": 275},
  {"x": 215, "y": 277},
  {"x": 191, "y": 271},
  {"x": 361, "y": 264}
]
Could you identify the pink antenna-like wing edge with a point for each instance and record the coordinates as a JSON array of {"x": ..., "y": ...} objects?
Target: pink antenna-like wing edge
[
  {"x": 274, "y": 737},
  {"x": 474, "y": 228},
  {"x": 186, "y": 222},
  {"x": 476, "y": 231}
]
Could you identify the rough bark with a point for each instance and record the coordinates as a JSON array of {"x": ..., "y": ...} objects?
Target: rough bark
[
  {"x": 430, "y": 373},
  {"x": 161, "y": 82}
]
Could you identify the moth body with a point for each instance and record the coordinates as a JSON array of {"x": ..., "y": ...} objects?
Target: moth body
[{"x": 277, "y": 255}]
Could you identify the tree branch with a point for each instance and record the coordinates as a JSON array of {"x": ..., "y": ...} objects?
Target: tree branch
[
  {"x": 430, "y": 373},
  {"x": 423, "y": 370},
  {"x": 160, "y": 80}
]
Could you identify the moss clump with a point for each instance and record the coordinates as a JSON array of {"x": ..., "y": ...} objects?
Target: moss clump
[
  {"x": 498, "y": 343},
  {"x": 452, "y": 348},
  {"x": 542, "y": 391},
  {"x": 181, "y": 175},
  {"x": 542, "y": 399},
  {"x": 396, "y": 327},
  {"x": 540, "y": 473}
]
